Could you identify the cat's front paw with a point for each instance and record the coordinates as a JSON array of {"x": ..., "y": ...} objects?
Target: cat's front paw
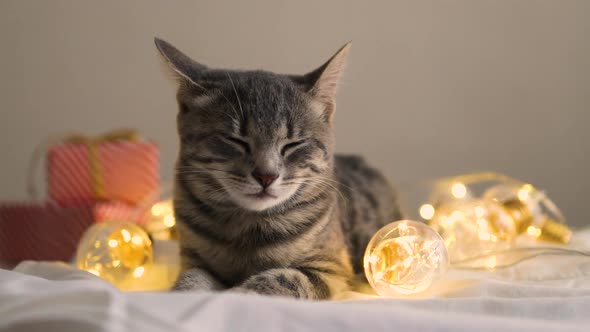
[
  {"x": 263, "y": 286},
  {"x": 279, "y": 282},
  {"x": 196, "y": 279}
]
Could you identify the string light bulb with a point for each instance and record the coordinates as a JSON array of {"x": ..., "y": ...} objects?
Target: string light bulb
[
  {"x": 475, "y": 227},
  {"x": 532, "y": 211},
  {"x": 405, "y": 257},
  {"x": 477, "y": 221},
  {"x": 162, "y": 224},
  {"x": 443, "y": 193},
  {"x": 504, "y": 212},
  {"x": 116, "y": 251}
]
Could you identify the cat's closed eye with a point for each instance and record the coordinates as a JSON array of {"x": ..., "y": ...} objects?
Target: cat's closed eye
[
  {"x": 237, "y": 141},
  {"x": 287, "y": 147}
]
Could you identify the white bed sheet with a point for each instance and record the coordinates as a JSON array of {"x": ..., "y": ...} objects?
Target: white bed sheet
[{"x": 543, "y": 294}]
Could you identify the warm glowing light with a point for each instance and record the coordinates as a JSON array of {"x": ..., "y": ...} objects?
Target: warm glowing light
[
  {"x": 454, "y": 217},
  {"x": 533, "y": 231},
  {"x": 427, "y": 211},
  {"x": 491, "y": 262},
  {"x": 124, "y": 252},
  {"x": 404, "y": 257},
  {"x": 482, "y": 223},
  {"x": 138, "y": 272},
  {"x": 403, "y": 226},
  {"x": 408, "y": 261},
  {"x": 524, "y": 192},
  {"x": 480, "y": 211},
  {"x": 126, "y": 235},
  {"x": 158, "y": 209},
  {"x": 530, "y": 207},
  {"x": 459, "y": 190},
  {"x": 484, "y": 236},
  {"x": 162, "y": 222},
  {"x": 472, "y": 227},
  {"x": 373, "y": 259},
  {"x": 169, "y": 221},
  {"x": 136, "y": 239}
]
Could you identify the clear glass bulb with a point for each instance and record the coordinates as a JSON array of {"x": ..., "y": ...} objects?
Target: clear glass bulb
[
  {"x": 118, "y": 252},
  {"x": 533, "y": 212},
  {"x": 474, "y": 227},
  {"x": 405, "y": 257}
]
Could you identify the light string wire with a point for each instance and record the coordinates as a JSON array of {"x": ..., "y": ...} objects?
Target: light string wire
[{"x": 533, "y": 252}]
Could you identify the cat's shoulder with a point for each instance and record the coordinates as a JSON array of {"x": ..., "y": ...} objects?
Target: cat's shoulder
[{"x": 346, "y": 164}]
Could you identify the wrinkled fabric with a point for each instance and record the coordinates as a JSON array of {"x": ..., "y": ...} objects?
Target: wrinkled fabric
[{"x": 547, "y": 293}]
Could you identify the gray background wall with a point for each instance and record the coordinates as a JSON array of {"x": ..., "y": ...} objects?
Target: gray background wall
[{"x": 433, "y": 88}]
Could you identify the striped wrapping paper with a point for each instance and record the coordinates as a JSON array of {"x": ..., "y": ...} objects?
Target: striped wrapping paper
[
  {"x": 121, "y": 212},
  {"x": 48, "y": 231},
  {"x": 129, "y": 172}
]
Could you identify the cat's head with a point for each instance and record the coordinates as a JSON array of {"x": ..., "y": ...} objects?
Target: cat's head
[{"x": 255, "y": 139}]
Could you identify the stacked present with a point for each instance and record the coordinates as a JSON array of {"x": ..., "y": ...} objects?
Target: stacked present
[{"x": 89, "y": 180}]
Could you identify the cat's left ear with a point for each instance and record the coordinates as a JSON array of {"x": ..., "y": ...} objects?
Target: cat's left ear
[
  {"x": 183, "y": 66},
  {"x": 322, "y": 83}
]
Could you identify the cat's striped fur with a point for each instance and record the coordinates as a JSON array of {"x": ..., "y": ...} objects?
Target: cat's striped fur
[{"x": 262, "y": 203}]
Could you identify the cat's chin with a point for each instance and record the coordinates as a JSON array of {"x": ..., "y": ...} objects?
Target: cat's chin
[
  {"x": 263, "y": 200},
  {"x": 259, "y": 202}
]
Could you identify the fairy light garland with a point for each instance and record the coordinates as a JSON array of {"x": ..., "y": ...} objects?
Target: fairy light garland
[{"x": 464, "y": 230}]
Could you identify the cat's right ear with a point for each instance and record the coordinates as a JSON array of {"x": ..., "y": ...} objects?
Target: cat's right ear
[
  {"x": 322, "y": 83},
  {"x": 183, "y": 67}
]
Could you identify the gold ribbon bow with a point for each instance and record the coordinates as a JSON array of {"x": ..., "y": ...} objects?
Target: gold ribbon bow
[
  {"x": 92, "y": 142},
  {"x": 93, "y": 156}
]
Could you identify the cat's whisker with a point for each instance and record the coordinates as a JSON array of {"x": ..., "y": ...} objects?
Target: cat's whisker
[
  {"x": 236, "y": 93},
  {"x": 202, "y": 168},
  {"x": 333, "y": 187}
]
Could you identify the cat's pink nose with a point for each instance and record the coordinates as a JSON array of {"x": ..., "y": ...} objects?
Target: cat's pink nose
[{"x": 265, "y": 180}]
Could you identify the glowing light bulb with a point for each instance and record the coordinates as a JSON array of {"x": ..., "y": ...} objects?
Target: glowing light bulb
[
  {"x": 136, "y": 239},
  {"x": 474, "y": 227},
  {"x": 404, "y": 257},
  {"x": 533, "y": 212},
  {"x": 162, "y": 222},
  {"x": 159, "y": 209},
  {"x": 169, "y": 221},
  {"x": 443, "y": 193},
  {"x": 115, "y": 251},
  {"x": 458, "y": 190},
  {"x": 533, "y": 231},
  {"x": 138, "y": 272},
  {"x": 427, "y": 211},
  {"x": 126, "y": 235}
]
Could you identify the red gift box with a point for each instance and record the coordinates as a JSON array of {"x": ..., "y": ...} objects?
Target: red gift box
[
  {"x": 121, "y": 211},
  {"x": 48, "y": 231},
  {"x": 119, "y": 170}
]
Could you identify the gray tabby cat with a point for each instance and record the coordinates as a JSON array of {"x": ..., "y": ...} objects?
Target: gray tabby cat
[{"x": 262, "y": 203}]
